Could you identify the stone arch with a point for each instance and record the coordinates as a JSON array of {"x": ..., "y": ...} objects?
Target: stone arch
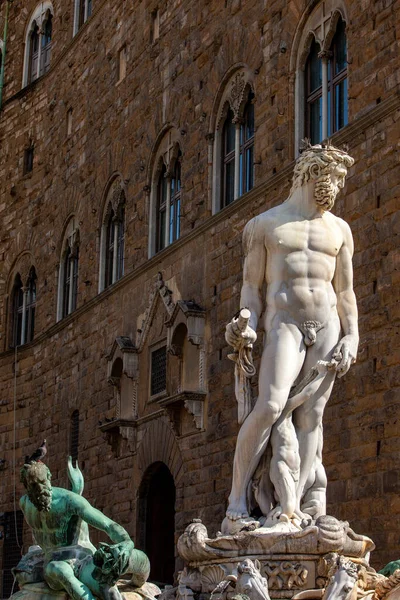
[
  {"x": 159, "y": 445},
  {"x": 156, "y": 520},
  {"x": 22, "y": 265}
]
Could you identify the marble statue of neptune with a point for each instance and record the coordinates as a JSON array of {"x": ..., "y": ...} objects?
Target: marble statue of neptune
[{"x": 298, "y": 280}]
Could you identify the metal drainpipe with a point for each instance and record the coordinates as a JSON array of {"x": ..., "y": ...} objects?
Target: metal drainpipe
[{"x": 3, "y": 57}]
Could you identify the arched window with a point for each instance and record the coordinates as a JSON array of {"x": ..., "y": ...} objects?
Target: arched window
[
  {"x": 321, "y": 79},
  {"x": 23, "y": 309},
  {"x": 162, "y": 190},
  {"x": 17, "y": 310},
  {"x": 233, "y": 147},
  {"x": 247, "y": 147},
  {"x": 83, "y": 10},
  {"x": 175, "y": 204},
  {"x": 38, "y": 43},
  {"x": 156, "y": 520},
  {"x": 313, "y": 76},
  {"x": 228, "y": 160},
  {"x": 337, "y": 80},
  {"x": 34, "y": 53},
  {"x": 30, "y": 306},
  {"x": 46, "y": 44},
  {"x": 112, "y": 241},
  {"x": 74, "y": 437},
  {"x": 166, "y": 194},
  {"x": 68, "y": 272}
]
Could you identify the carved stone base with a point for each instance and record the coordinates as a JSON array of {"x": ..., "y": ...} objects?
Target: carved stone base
[{"x": 290, "y": 561}]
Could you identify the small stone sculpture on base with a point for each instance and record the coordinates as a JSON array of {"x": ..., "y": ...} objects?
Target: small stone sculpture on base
[{"x": 65, "y": 563}]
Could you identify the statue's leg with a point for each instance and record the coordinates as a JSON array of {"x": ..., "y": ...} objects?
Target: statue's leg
[
  {"x": 308, "y": 416},
  {"x": 285, "y": 465},
  {"x": 281, "y": 362},
  {"x": 314, "y": 499},
  {"x": 100, "y": 590},
  {"x": 59, "y": 575}
]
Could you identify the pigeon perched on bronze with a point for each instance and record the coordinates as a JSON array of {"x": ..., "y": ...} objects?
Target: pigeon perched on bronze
[{"x": 38, "y": 454}]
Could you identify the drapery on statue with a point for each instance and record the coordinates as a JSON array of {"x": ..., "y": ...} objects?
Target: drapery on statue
[
  {"x": 302, "y": 254},
  {"x": 65, "y": 559}
]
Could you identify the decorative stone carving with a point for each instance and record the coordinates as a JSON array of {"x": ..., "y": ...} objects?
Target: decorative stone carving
[
  {"x": 159, "y": 290},
  {"x": 234, "y": 95},
  {"x": 246, "y": 580},
  {"x": 117, "y": 195},
  {"x": 348, "y": 580},
  {"x": 290, "y": 559},
  {"x": 285, "y": 575}
]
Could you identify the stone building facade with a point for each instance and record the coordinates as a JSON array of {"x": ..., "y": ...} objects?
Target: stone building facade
[{"x": 112, "y": 312}]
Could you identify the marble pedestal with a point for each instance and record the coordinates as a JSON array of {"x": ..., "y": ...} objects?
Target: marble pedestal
[{"x": 291, "y": 560}]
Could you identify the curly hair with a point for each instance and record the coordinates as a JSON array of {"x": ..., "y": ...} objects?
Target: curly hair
[{"x": 318, "y": 161}]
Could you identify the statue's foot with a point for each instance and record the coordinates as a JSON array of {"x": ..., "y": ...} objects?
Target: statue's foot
[
  {"x": 232, "y": 527},
  {"x": 237, "y": 511}
]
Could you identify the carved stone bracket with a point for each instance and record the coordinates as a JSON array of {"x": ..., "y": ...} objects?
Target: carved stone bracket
[
  {"x": 115, "y": 429},
  {"x": 193, "y": 402}
]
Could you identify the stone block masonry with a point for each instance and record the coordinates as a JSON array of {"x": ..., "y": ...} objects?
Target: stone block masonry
[{"x": 174, "y": 80}]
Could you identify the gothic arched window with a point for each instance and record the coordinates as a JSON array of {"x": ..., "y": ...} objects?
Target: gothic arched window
[
  {"x": 321, "y": 78},
  {"x": 68, "y": 272},
  {"x": 166, "y": 194},
  {"x": 83, "y": 10},
  {"x": 17, "y": 311},
  {"x": 45, "y": 55},
  {"x": 313, "y": 76},
  {"x": 23, "y": 309},
  {"x": 30, "y": 307},
  {"x": 247, "y": 147},
  {"x": 161, "y": 208},
  {"x": 228, "y": 160},
  {"x": 175, "y": 203},
  {"x": 38, "y": 43},
  {"x": 237, "y": 158},
  {"x": 34, "y": 53},
  {"x": 112, "y": 241},
  {"x": 233, "y": 140},
  {"x": 337, "y": 80}
]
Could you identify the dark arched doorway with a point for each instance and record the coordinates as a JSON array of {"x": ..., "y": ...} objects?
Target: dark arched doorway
[{"x": 156, "y": 522}]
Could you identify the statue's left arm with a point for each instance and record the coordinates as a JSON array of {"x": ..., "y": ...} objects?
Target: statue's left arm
[
  {"x": 81, "y": 507},
  {"x": 346, "y": 351}
]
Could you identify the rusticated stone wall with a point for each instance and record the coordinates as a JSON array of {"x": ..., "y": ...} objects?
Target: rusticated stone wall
[{"x": 175, "y": 81}]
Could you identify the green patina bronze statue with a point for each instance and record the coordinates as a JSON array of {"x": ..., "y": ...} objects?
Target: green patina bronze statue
[{"x": 64, "y": 557}]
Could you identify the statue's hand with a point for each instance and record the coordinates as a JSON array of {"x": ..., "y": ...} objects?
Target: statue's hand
[
  {"x": 239, "y": 339},
  {"x": 345, "y": 354},
  {"x": 112, "y": 593}
]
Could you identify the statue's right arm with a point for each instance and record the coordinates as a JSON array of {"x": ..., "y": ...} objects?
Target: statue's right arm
[
  {"x": 81, "y": 507},
  {"x": 254, "y": 269}
]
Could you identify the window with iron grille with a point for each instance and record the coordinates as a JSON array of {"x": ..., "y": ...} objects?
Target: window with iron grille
[
  {"x": 13, "y": 526},
  {"x": 74, "y": 436},
  {"x": 158, "y": 381}
]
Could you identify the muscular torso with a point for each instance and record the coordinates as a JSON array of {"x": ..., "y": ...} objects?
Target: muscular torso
[
  {"x": 56, "y": 528},
  {"x": 300, "y": 265}
]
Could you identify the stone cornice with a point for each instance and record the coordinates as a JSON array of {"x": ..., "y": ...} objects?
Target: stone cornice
[{"x": 263, "y": 189}]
